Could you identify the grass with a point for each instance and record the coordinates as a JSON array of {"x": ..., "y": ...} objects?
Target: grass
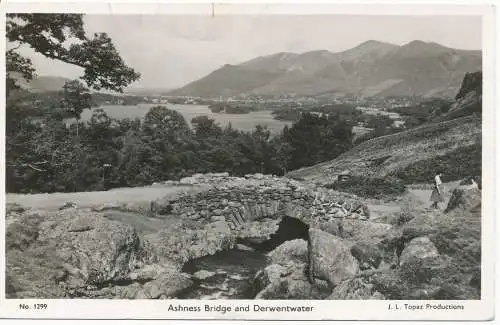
[
  {"x": 457, "y": 164},
  {"x": 387, "y": 155},
  {"x": 377, "y": 188}
]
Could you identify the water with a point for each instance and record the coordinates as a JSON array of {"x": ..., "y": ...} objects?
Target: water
[
  {"x": 233, "y": 272},
  {"x": 244, "y": 122}
]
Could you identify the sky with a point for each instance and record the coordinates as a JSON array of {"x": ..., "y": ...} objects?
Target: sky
[{"x": 172, "y": 50}]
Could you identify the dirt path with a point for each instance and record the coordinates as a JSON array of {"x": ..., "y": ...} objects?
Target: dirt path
[
  {"x": 417, "y": 197},
  {"x": 421, "y": 196},
  {"x": 88, "y": 199}
]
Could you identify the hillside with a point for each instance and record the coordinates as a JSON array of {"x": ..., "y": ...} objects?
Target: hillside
[
  {"x": 450, "y": 144},
  {"x": 371, "y": 68},
  {"x": 396, "y": 154},
  {"x": 42, "y": 83}
]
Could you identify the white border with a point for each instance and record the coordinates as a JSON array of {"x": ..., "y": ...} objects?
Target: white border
[{"x": 324, "y": 310}]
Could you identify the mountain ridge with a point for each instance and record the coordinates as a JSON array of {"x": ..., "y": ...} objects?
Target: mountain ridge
[{"x": 371, "y": 68}]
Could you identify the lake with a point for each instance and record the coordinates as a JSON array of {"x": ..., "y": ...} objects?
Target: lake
[{"x": 244, "y": 122}]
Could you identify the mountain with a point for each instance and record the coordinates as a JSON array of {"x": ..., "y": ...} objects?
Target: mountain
[
  {"x": 371, "y": 68},
  {"x": 41, "y": 83}
]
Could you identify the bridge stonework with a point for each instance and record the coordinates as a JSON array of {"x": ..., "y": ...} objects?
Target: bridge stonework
[{"x": 239, "y": 201}]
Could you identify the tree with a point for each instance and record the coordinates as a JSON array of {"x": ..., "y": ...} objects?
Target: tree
[
  {"x": 316, "y": 139},
  {"x": 76, "y": 98},
  {"x": 62, "y": 37},
  {"x": 32, "y": 148},
  {"x": 206, "y": 127}
]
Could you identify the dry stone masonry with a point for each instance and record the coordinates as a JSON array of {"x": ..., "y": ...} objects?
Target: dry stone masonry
[{"x": 242, "y": 200}]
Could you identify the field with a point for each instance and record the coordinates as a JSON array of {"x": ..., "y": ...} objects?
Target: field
[{"x": 244, "y": 122}]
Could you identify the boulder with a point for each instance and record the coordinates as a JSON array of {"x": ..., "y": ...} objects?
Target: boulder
[
  {"x": 418, "y": 249},
  {"x": 203, "y": 275},
  {"x": 288, "y": 282},
  {"x": 465, "y": 198},
  {"x": 68, "y": 205},
  {"x": 369, "y": 256},
  {"x": 77, "y": 247},
  {"x": 329, "y": 258},
  {"x": 356, "y": 229},
  {"x": 355, "y": 289},
  {"x": 292, "y": 250},
  {"x": 107, "y": 206}
]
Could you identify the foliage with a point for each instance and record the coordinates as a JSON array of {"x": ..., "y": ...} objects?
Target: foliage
[
  {"x": 44, "y": 157},
  {"x": 49, "y": 35},
  {"x": 316, "y": 139},
  {"x": 423, "y": 112},
  {"x": 76, "y": 98},
  {"x": 229, "y": 108}
]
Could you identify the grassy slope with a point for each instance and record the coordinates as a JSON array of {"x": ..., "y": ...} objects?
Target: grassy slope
[{"x": 393, "y": 154}]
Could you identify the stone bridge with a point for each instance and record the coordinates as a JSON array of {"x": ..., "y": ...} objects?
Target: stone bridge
[{"x": 239, "y": 201}]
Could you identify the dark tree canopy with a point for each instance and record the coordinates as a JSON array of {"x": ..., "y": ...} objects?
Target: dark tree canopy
[
  {"x": 62, "y": 37},
  {"x": 76, "y": 98}
]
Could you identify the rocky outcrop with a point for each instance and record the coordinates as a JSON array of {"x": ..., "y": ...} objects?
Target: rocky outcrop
[
  {"x": 329, "y": 258},
  {"x": 472, "y": 82},
  {"x": 79, "y": 253}
]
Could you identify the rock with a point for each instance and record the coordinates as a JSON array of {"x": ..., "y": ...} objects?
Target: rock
[
  {"x": 287, "y": 282},
  {"x": 203, "y": 275},
  {"x": 91, "y": 249},
  {"x": 369, "y": 256},
  {"x": 167, "y": 285},
  {"x": 243, "y": 247},
  {"x": 356, "y": 229},
  {"x": 329, "y": 258},
  {"x": 150, "y": 272},
  {"x": 418, "y": 249},
  {"x": 107, "y": 206},
  {"x": 218, "y": 218},
  {"x": 188, "y": 181},
  {"x": 464, "y": 198},
  {"x": 68, "y": 205},
  {"x": 14, "y": 207},
  {"x": 292, "y": 250},
  {"x": 355, "y": 289},
  {"x": 218, "y": 212}
]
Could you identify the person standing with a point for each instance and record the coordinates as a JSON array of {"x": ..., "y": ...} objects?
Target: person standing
[{"x": 437, "y": 195}]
